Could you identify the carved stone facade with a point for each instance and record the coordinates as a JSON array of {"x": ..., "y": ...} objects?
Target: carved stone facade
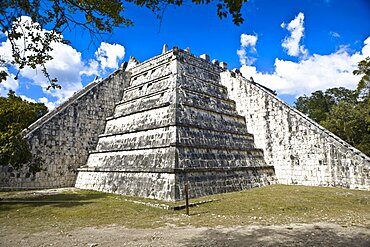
[{"x": 151, "y": 127}]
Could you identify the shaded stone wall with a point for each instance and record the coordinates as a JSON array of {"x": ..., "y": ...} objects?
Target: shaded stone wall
[
  {"x": 215, "y": 152},
  {"x": 64, "y": 136},
  {"x": 301, "y": 151}
]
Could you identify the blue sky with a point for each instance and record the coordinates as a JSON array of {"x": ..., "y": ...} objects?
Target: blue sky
[{"x": 292, "y": 46}]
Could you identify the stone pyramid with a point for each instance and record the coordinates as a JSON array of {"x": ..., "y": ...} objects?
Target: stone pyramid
[{"x": 174, "y": 125}]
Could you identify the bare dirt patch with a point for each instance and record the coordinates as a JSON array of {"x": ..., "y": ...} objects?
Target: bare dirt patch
[{"x": 321, "y": 234}]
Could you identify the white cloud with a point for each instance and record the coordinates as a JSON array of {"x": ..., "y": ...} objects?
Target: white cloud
[
  {"x": 49, "y": 105},
  {"x": 366, "y": 48},
  {"x": 91, "y": 69},
  {"x": 9, "y": 84},
  {"x": 67, "y": 66},
  {"x": 247, "y": 42},
  {"x": 292, "y": 42},
  {"x": 317, "y": 72},
  {"x": 335, "y": 34},
  {"x": 27, "y": 99},
  {"x": 109, "y": 55}
]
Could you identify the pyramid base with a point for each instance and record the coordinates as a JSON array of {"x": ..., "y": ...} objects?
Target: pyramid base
[
  {"x": 169, "y": 186},
  {"x": 217, "y": 181}
]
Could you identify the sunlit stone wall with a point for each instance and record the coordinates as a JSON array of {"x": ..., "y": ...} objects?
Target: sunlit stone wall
[{"x": 301, "y": 151}]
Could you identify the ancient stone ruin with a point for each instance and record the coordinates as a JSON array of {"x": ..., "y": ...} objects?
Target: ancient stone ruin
[
  {"x": 174, "y": 125},
  {"x": 151, "y": 127}
]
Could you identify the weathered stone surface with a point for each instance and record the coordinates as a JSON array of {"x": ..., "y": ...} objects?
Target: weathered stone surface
[
  {"x": 206, "y": 102},
  {"x": 150, "y": 87},
  {"x": 177, "y": 123},
  {"x": 145, "y": 184},
  {"x": 152, "y": 138},
  {"x": 143, "y": 120},
  {"x": 145, "y": 103},
  {"x": 214, "y": 182},
  {"x": 201, "y": 86},
  {"x": 301, "y": 151},
  {"x": 211, "y": 120},
  {"x": 64, "y": 137},
  {"x": 133, "y": 160},
  {"x": 190, "y": 136},
  {"x": 195, "y": 157},
  {"x": 205, "y": 57}
]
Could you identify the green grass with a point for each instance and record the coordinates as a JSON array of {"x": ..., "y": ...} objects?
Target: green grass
[{"x": 278, "y": 204}]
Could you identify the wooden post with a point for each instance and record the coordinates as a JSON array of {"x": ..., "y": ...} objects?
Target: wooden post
[{"x": 187, "y": 198}]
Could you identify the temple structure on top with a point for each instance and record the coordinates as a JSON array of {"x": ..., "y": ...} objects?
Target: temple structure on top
[{"x": 153, "y": 126}]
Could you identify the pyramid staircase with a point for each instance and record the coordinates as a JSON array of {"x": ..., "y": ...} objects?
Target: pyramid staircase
[{"x": 175, "y": 125}]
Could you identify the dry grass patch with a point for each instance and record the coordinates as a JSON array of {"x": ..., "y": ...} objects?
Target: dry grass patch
[{"x": 278, "y": 204}]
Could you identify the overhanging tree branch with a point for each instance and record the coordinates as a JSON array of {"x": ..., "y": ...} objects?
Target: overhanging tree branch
[{"x": 31, "y": 44}]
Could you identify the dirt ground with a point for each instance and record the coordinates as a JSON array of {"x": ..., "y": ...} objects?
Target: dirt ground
[
  {"x": 322, "y": 234},
  {"x": 318, "y": 234}
]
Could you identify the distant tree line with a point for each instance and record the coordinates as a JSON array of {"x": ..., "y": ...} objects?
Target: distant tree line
[{"x": 344, "y": 112}]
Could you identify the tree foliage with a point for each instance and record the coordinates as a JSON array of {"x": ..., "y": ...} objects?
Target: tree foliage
[
  {"x": 319, "y": 105},
  {"x": 15, "y": 115},
  {"x": 364, "y": 70},
  {"x": 344, "y": 112},
  {"x": 31, "y": 46},
  {"x": 351, "y": 122}
]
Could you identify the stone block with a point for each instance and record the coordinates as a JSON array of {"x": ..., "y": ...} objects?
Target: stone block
[{"x": 205, "y": 57}]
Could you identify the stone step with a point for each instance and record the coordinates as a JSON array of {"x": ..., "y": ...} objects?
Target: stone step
[
  {"x": 183, "y": 116},
  {"x": 148, "y": 87},
  {"x": 159, "y": 71},
  {"x": 196, "y": 84},
  {"x": 210, "y": 158},
  {"x": 185, "y": 135},
  {"x": 163, "y": 157},
  {"x": 152, "y": 138},
  {"x": 204, "y": 101},
  {"x": 145, "y": 103},
  {"x": 192, "y": 63},
  {"x": 191, "y": 136},
  {"x": 199, "y": 72},
  {"x": 210, "y": 119},
  {"x": 149, "y": 119}
]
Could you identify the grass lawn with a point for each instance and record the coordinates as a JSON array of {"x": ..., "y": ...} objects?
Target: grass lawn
[{"x": 277, "y": 204}]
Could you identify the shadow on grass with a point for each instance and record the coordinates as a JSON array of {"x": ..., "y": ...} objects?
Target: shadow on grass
[
  {"x": 265, "y": 236},
  {"x": 57, "y": 200}
]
